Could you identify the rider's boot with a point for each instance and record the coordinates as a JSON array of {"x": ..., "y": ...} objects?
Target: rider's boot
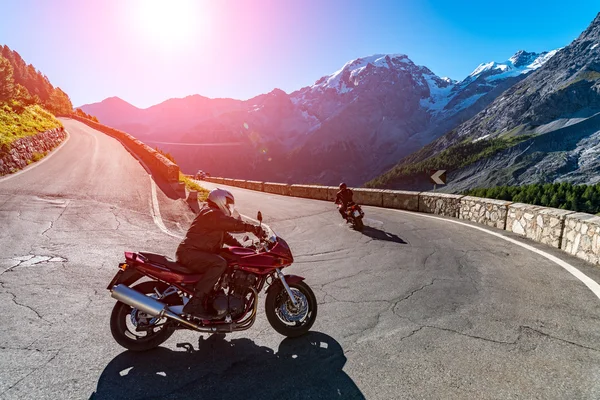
[{"x": 198, "y": 307}]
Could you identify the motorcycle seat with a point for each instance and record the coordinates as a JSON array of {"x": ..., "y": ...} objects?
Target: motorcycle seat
[{"x": 166, "y": 262}]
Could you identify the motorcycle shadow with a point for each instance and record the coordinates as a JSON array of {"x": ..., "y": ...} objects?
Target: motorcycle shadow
[
  {"x": 309, "y": 367},
  {"x": 378, "y": 234}
]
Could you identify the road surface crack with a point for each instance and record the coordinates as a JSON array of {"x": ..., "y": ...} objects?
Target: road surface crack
[
  {"x": 30, "y": 256},
  {"x": 412, "y": 333},
  {"x": 14, "y": 300},
  {"x": 408, "y": 296},
  {"x": 428, "y": 257},
  {"x": 56, "y": 220},
  {"x": 50, "y": 227},
  {"x": 557, "y": 338},
  {"x": 113, "y": 211},
  {"x": 31, "y": 373},
  {"x": 473, "y": 336}
]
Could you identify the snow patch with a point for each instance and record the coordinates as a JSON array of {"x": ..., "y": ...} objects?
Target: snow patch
[
  {"x": 439, "y": 97},
  {"x": 481, "y": 138},
  {"x": 468, "y": 102},
  {"x": 509, "y": 68},
  {"x": 356, "y": 67}
]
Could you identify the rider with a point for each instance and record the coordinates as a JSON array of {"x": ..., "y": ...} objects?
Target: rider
[
  {"x": 199, "y": 250},
  {"x": 343, "y": 197}
]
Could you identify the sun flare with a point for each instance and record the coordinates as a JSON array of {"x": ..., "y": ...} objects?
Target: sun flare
[{"x": 170, "y": 21}]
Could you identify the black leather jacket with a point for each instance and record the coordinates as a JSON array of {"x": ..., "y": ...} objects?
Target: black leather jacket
[
  {"x": 209, "y": 231},
  {"x": 344, "y": 197}
]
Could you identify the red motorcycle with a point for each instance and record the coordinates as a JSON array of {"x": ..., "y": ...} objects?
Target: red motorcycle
[
  {"x": 354, "y": 215},
  {"x": 148, "y": 313}
]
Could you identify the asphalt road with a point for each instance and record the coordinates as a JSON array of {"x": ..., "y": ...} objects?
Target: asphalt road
[{"x": 413, "y": 308}]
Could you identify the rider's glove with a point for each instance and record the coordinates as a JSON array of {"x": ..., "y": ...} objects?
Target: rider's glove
[{"x": 259, "y": 231}]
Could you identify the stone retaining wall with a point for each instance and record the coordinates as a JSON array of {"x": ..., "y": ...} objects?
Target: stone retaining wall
[
  {"x": 229, "y": 182},
  {"x": 484, "y": 211},
  {"x": 277, "y": 188},
  {"x": 21, "y": 152},
  {"x": 254, "y": 185},
  {"x": 581, "y": 237},
  {"x": 542, "y": 224},
  {"x": 368, "y": 197},
  {"x": 440, "y": 203},
  {"x": 310, "y": 192},
  {"x": 401, "y": 200}
]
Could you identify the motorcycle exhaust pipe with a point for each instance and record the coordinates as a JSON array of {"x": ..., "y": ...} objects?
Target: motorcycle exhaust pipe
[{"x": 147, "y": 304}]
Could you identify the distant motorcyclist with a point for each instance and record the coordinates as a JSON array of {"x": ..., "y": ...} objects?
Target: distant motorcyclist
[
  {"x": 344, "y": 198},
  {"x": 199, "y": 250}
]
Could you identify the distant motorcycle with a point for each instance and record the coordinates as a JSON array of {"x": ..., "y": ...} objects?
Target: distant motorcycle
[
  {"x": 354, "y": 215},
  {"x": 148, "y": 313}
]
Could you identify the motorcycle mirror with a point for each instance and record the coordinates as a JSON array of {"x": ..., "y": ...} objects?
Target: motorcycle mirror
[{"x": 259, "y": 217}]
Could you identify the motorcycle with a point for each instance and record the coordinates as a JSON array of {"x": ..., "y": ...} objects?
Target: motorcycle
[
  {"x": 148, "y": 313},
  {"x": 354, "y": 215}
]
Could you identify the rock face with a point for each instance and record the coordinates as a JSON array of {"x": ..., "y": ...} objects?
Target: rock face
[
  {"x": 564, "y": 89},
  {"x": 559, "y": 104},
  {"x": 23, "y": 151}
]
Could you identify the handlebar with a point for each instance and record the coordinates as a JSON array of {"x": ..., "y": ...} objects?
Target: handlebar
[{"x": 263, "y": 243}]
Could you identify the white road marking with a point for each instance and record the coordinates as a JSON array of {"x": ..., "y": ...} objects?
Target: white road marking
[
  {"x": 587, "y": 281},
  {"x": 155, "y": 211},
  {"x": 35, "y": 164},
  {"x": 154, "y": 208}
]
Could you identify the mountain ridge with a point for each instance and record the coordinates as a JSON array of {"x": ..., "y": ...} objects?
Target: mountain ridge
[{"x": 356, "y": 122}]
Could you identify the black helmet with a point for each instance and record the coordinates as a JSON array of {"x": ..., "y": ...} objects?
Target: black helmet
[{"x": 343, "y": 186}]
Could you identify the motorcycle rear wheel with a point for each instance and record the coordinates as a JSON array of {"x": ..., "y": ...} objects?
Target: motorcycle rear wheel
[
  {"x": 125, "y": 334},
  {"x": 358, "y": 224},
  {"x": 284, "y": 317}
]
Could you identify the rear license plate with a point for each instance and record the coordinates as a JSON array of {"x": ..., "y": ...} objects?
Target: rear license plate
[{"x": 356, "y": 214}]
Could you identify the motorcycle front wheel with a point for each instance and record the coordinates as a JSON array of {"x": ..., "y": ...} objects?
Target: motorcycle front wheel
[
  {"x": 135, "y": 330},
  {"x": 287, "y": 319}
]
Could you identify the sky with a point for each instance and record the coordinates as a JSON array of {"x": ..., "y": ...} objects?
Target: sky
[{"x": 147, "y": 51}]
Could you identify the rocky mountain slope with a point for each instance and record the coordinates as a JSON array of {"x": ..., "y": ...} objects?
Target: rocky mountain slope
[
  {"x": 351, "y": 125},
  {"x": 554, "y": 110}
]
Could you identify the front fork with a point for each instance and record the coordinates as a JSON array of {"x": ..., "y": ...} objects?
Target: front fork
[{"x": 286, "y": 286}]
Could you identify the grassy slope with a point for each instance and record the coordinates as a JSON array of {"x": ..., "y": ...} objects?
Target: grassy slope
[
  {"x": 192, "y": 185},
  {"x": 32, "y": 120}
]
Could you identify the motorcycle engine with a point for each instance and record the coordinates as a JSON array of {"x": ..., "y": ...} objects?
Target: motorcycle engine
[
  {"x": 220, "y": 303},
  {"x": 237, "y": 298},
  {"x": 242, "y": 280},
  {"x": 235, "y": 302}
]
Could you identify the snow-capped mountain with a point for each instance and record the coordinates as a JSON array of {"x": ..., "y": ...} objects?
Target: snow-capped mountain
[
  {"x": 548, "y": 123},
  {"x": 521, "y": 63},
  {"x": 350, "y": 125}
]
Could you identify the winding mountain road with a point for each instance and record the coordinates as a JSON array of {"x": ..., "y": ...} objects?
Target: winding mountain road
[{"x": 414, "y": 307}]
